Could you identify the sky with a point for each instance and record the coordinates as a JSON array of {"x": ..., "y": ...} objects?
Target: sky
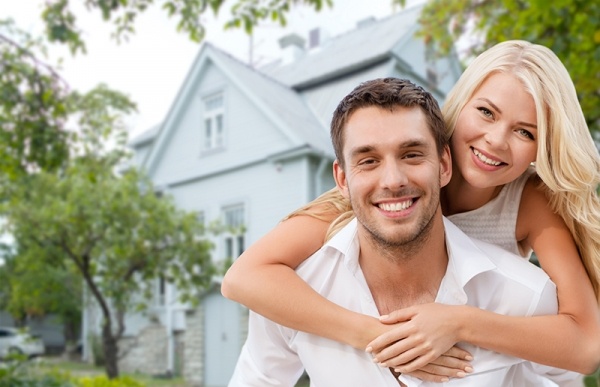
[{"x": 152, "y": 65}]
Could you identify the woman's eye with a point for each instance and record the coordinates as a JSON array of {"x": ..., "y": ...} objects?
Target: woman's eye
[
  {"x": 485, "y": 111},
  {"x": 526, "y": 133}
]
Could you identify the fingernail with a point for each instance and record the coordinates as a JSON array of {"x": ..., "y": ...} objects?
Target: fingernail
[
  {"x": 460, "y": 374},
  {"x": 383, "y": 317},
  {"x": 469, "y": 357},
  {"x": 444, "y": 380},
  {"x": 375, "y": 360},
  {"x": 469, "y": 369},
  {"x": 369, "y": 349}
]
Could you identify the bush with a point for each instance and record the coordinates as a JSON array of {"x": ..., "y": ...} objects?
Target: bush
[
  {"x": 18, "y": 373},
  {"x": 103, "y": 381}
]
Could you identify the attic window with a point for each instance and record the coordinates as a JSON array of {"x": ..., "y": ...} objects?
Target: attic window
[{"x": 213, "y": 132}]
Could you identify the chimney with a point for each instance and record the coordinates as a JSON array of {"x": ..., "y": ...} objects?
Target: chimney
[
  {"x": 317, "y": 37},
  {"x": 365, "y": 22},
  {"x": 292, "y": 46}
]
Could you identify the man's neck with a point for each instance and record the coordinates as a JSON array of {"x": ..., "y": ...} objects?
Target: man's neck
[{"x": 405, "y": 277}]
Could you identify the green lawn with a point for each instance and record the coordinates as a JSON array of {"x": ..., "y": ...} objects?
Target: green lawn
[{"x": 76, "y": 368}]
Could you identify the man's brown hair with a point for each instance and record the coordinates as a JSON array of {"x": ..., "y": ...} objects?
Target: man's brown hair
[{"x": 387, "y": 93}]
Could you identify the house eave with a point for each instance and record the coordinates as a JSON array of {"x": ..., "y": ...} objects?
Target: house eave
[{"x": 301, "y": 151}]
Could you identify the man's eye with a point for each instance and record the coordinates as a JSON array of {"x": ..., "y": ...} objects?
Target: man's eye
[{"x": 367, "y": 162}]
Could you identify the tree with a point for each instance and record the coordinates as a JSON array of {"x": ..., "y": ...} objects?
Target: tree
[
  {"x": 33, "y": 107},
  {"x": 73, "y": 207},
  {"x": 61, "y": 22},
  {"x": 36, "y": 289},
  {"x": 116, "y": 232},
  {"x": 571, "y": 28}
]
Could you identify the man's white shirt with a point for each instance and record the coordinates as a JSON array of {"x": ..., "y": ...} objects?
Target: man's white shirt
[{"x": 478, "y": 274}]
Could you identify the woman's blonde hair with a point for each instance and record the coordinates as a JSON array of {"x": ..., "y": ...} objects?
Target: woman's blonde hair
[
  {"x": 567, "y": 159},
  {"x": 330, "y": 205}
]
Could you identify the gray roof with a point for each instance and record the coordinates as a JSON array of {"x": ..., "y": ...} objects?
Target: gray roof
[{"x": 361, "y": 47}]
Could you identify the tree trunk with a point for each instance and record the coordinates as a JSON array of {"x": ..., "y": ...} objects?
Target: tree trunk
[{"x": 111, "y": 349}]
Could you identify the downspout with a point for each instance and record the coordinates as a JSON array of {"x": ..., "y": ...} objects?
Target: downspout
[{"x": 169, "y": 328}]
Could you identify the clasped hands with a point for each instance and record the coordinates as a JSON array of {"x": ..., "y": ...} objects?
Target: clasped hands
[{"x": 420, "y": 341}]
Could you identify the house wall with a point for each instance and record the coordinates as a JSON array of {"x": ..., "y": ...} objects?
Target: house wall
[{"x": 249, "y": 135}]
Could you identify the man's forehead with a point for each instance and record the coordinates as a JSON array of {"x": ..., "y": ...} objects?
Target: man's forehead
[{"x": 374, "y": 124}]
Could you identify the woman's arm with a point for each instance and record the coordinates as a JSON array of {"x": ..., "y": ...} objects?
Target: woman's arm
[
  {"x": 264, "y": 280},
  {"x": 569, "y": 340}
]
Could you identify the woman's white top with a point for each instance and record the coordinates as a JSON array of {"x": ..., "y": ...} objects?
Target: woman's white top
[{"x": 496, "y": 221}]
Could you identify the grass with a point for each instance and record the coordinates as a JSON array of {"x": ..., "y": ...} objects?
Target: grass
[{"x": 76, "y": 368}]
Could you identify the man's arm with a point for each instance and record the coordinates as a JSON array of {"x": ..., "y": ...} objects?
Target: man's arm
[{"x": 266, "y": 358}]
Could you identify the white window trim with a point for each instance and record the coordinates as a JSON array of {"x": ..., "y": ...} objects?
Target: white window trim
[{"x": 215, "y": 140}]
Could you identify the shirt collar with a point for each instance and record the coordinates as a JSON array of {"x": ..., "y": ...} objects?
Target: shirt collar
[{"x": 465, "y": 258}]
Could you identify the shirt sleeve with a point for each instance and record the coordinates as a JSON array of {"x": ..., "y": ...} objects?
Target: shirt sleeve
[
  {"x": 548, "y": 301},
  {"x": 548, "y": 304},
  {"x": 266, "y": 359}
]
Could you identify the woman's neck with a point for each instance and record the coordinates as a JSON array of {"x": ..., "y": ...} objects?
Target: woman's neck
[{"x": 460, "y": 196}]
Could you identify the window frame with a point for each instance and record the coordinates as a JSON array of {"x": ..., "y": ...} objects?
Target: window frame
[{"x": 213, "y": 122}]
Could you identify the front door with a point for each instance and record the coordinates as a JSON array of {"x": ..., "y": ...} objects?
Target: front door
[{"x": 222, "y": 339}]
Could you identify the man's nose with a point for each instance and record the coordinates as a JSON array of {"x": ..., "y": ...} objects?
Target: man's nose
[{"x": 393, "y": 176}]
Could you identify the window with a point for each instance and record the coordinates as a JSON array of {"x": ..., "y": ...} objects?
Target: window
[
  {"x": 214, "y": 128},
  {"x": 233, "y": 236}
]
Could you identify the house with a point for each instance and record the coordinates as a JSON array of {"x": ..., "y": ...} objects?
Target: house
[{"x": 247, "y": 146}]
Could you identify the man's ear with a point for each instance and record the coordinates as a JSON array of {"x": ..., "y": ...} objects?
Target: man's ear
[
  {"x": 445, "y": 167},
  {"x": 340, "y": 178}
]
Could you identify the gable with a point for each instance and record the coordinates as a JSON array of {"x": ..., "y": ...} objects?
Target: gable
[{"x": 248, "y": 133}]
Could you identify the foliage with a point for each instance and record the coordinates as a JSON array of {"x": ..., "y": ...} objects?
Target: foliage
[
  {"x": 19, "y": 373},
  {"x": 571, "y": 28},
  {"x": 61, "y": 21},
  {"x": 103, "y": 381},
  {"x": 33, "y": 106},
  {"x": 115, "y": 230},
  {"x": 592, "y": 380}
]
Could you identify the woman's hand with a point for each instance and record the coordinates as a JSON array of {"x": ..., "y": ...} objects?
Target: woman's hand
[
  {"x": 452, "y": 364},
  {"x": 423, "y": 333}
]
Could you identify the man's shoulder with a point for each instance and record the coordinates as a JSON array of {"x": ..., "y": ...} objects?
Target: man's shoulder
[{"x": 504, "y": 263}]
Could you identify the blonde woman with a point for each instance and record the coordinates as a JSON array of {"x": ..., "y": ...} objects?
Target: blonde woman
[{"x": 515, "y": 105}]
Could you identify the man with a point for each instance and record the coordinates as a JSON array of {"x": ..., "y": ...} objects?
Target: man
[{"x": 392, "y": 159}]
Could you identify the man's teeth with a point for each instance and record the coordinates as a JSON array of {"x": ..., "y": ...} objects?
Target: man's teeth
[
  {"x": 396, "y": 206},
  {"x": 484, "y": 159}
]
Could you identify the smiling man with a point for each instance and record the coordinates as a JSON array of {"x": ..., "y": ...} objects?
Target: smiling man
[{"x": 392, "y": 159}]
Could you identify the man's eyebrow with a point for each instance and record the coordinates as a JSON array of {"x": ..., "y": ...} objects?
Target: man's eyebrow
[
  {"x": 411, "y": 143},
  {"x": 522, "y": 123}
]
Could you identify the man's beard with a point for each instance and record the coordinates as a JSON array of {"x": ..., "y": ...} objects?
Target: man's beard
[{"x": 408, "y": 243}]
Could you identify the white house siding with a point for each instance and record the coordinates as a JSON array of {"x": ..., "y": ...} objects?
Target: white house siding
[
  {"x": 249, "y": 134},
  {"x": 268, "y": 192}
]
